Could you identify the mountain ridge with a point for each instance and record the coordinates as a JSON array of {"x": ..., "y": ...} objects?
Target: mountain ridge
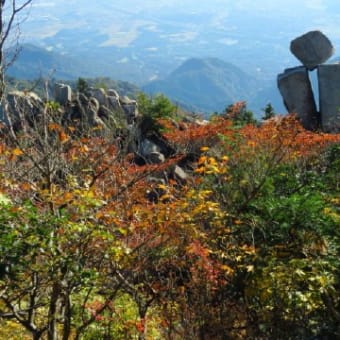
[{"x": 209, "y": 84}]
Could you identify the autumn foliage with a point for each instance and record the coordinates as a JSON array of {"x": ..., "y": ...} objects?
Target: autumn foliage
[{"x": 248, "y": 247}]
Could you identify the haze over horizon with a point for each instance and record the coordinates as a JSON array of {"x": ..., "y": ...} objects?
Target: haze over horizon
[{"x": 238, "y": 25}]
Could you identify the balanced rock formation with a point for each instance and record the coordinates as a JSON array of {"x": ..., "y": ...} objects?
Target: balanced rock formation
[{"x": 312, "y": 49}]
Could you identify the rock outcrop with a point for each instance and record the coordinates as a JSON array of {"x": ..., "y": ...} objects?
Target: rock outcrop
[
  {"x": 105, "y": 102},
  {"x": 329, "y": 93},
  {"x": 22, "y": 106},
  {"x": 312, "y": 49},
  {"x": 296, "y": 89}
]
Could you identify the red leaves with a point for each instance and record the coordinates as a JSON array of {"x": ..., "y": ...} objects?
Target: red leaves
[
  {"x": 287, "y": 135},
  {"x": 201, "y": 134}
]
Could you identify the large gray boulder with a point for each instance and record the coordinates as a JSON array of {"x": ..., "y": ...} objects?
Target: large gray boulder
[
  {"x": 113, "y": 103},
  {"x": 329, "y": 97},
  {"x": 113, "y": 100},
  {"x": 130, "y": 108},
  {"x": 22, "y": 108},
  {"x": 147, "y": 147},
  {"x": 99, "y": 94},
  {"x": 312, "y": 49},
  {"x": 92, "y": 113},
  {"x": 62, "y": 93},
  {"x": 296, "y": 90}
]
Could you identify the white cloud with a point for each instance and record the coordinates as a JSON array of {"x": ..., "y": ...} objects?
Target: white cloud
[
  {"x": 317, "y": 5},
  {"x": 228, "y": 41},
  {"x": 152, "y": 49},
  {"x": 181, "y": 36},
  {"x": 123, "y": 61}
]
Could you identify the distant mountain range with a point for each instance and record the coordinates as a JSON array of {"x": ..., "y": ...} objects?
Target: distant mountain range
[
  {"x": 33, "y": 62},
  {"x": 203, "y": 85}
]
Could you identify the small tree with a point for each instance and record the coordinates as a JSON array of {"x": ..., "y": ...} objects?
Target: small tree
[
  {"x": 239, "y": 114},
  {"x": 268, "y": 112},
  {"x": 82, "y": 85},
  {"x": 157, "y": 107},
  {"x": 9, "y": 12}
]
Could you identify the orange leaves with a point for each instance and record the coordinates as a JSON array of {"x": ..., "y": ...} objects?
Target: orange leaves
[
  {"x": 54, "y": 127},
  {"x": 196, "y": 248},
  {"x": 201, "y": 134},
  {"x": 17, "y": 152},
  {"x": 284, "y": 137},
  {"x": 63, "y": 137}
]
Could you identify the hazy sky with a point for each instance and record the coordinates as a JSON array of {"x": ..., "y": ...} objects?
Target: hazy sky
[
  {"x": 323, "y": 14},
  {"x": 265, "y": 25}
]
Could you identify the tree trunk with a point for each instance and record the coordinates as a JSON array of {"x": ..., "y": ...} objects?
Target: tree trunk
[
  {"x": 52, "y": 332},
  {"x": 67, "y": 317},
  {"x": 142, "y": 310}
]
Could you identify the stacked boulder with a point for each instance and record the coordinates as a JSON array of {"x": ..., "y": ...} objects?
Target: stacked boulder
[{"x": 313, "y": 49}]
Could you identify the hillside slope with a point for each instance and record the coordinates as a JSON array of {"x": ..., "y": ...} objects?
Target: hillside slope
[
  {"x": 33, "y": 62},
  {"x": 207, "y": 85}
]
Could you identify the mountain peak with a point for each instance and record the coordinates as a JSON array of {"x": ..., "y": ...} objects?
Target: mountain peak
[
  {"x": 205, "y": 84},
  {"x": 202, "y": 64}
]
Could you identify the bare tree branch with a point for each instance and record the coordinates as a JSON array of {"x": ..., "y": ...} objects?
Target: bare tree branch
[{"x": 6, "y": 26}]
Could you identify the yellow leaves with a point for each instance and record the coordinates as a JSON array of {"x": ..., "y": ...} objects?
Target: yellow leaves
[
  {"x": 97, "y": 128},
  {"x": 212, "y": 161},
  {"x": 204, "y": 148},
  {"x": 228, "y": 270},
  {"x": 210, "y": 165},
  {"x": 250, "y": 250},
  {"x": 332, "y": 213},
  {"x": 250, "y": 268},
  {"x": 83, "y": 149},
  {"x": 335, "y": 201},
  {"x": 17, "y": 152},
  {"x": 162, "y": 186}
]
